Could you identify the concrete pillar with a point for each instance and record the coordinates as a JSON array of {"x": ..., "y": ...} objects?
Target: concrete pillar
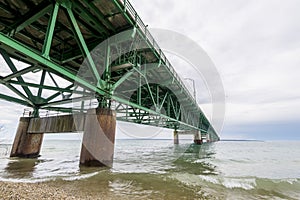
[
  {"x": 176, "y": 138},
  {"x": 207, "y": 138},
  {"x": 198, "y": 138},
  {"x": 25, "y": 144},
  {"x": 99, "y": 138}
]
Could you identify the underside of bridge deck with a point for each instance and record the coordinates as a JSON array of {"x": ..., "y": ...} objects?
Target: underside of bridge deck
[{"x": 73, "y": 56}]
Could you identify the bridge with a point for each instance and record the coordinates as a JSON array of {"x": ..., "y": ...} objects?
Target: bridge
[{"x": 94, "y": 62}]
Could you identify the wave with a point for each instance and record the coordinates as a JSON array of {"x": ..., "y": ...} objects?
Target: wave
[
  {"x": 249, "y": 183},
  {"x": 80, "y": 177},
  {"x": 28, "y": 180},
  {"x": 288, "y": 188}
]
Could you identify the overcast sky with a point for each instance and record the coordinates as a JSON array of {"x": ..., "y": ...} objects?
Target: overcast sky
[{"x": 255, "y": 46}]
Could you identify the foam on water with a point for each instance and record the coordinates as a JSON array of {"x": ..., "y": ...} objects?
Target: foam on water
[
  {"x": 244, "y": 183},
  {"x": 79, "y": 177}
]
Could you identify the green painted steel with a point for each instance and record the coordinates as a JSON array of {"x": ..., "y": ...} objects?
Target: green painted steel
[
  {"x": 131, "y": 75},
  {"x": 50, "y": 31}
]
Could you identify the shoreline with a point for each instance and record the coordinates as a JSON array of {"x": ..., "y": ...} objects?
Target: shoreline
[
  {"x": 68, "y": 190},
  {"x": 46, "y": 190}
]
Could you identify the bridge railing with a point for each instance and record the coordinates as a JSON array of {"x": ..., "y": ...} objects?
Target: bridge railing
[
  {"x": 42, "y": 113},
  {"x": 140, "y": 24}
]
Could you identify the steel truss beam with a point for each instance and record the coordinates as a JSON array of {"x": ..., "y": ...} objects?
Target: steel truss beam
[{"x": 67, "y": 42}]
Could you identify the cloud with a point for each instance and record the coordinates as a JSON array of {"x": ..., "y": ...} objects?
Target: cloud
[
  {"x": 10, "y": 114},
  {"x": 255, "y": 46}
]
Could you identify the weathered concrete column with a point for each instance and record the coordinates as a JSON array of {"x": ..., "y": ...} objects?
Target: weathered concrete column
[
  {"x": 25, "y": 144},
  {"x": 198, "y": 138},
  {"x": 176, "y": 138},
  {"x": 99, "y": 138},
  {"x": 207, "y": 137}
]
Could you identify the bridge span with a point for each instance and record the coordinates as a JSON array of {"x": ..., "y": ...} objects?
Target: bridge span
[{"x": 95, "y": 62}]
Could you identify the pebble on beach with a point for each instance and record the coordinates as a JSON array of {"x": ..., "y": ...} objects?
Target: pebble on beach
[{"x": 32, "y": 191}]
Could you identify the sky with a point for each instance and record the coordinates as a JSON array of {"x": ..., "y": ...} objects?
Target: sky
[{"x": 255, "y": 46}]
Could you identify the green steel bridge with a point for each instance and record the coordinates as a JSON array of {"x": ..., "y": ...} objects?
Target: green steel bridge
[{"x": 67, "y": 55}]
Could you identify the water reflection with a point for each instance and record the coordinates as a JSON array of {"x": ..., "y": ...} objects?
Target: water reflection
[
  {"x": 196, "y": 160},
  {"x": 20, "y": 168}
]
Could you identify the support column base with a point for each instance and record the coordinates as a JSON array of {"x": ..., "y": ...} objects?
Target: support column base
[
  {"x": 99, "y": 138},
  {"x": 198, "y": 142},
  {"x": 176, "y": 138},
  {"x": 198, "y": 138},
  {"x": 26, "y": 145}
]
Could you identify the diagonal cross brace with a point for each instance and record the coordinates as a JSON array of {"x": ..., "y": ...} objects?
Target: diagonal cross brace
[
  {"x": 50, "y": 64},
  {"x": 50, "y": 31},
  {"x": 14, "y": 70},
  {"x": 83, "y": 46}
]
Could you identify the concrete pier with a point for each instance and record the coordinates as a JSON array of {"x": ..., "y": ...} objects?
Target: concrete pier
[
  {"x": 98, "y": 141},
  {"x": 25, "y": 144},
  {"x": 57, "y": 124},
  {"x": 99, "y": 138},
  {"x": 198, "y": 138},
  {"x": 207, "y": 138},
  {"x": 176, "y": 137}
]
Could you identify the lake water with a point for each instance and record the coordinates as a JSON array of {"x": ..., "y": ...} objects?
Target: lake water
[{"x": 158, "y": 169}]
